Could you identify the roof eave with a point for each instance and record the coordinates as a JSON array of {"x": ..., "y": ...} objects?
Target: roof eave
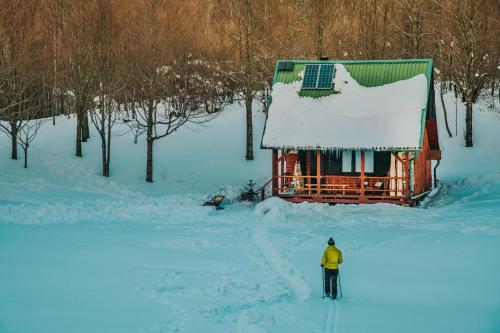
[{"x": 398, "y": 149}]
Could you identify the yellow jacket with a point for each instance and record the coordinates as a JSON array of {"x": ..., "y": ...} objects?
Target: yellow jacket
[{"x": 332, "y": 257}]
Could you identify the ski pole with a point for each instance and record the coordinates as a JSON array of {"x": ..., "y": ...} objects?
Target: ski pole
[
  {"x": 340, "y": 285},
  {"x": 323, "y": 281}
]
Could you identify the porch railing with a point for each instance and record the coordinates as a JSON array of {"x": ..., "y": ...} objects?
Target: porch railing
[{"x": 340, "y": 188}]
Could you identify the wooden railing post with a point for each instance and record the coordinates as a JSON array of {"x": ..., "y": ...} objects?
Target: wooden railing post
[
  {"x": 275, "y": 172},
  {"x": 318, "y": 172},
  {"x": 362, "y": 197},
  {"x": 407, "y": 176},
  {"x": 283, "y": 181},
  {"x": 308, "y": 166}
]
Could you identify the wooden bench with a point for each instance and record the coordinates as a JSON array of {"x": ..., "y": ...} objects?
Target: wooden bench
[{"x": 216, "y": 201}]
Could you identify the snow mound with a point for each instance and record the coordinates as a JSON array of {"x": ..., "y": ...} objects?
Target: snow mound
[{"x": 273, "y": 209}]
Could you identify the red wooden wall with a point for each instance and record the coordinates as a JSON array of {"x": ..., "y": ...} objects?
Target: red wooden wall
[{"x": 423, "y": 168}]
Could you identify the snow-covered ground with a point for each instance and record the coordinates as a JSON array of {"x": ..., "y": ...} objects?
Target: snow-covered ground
[{"x": 81, "y": 253}]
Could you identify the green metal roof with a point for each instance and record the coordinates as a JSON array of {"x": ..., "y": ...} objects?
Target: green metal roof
[{"x": 368, "y": 73}]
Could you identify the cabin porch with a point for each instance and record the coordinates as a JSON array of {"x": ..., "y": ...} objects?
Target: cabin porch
[{"x": 342, "y": 177}]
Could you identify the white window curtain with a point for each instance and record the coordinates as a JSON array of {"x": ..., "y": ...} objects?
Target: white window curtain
[
  {"x": 347, "y": 161},
  {"x": 369, "y": 161},
  {"x": 358, "y": 161}
]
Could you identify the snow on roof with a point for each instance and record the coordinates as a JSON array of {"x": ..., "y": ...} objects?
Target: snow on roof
[{"x": 357, "y": 117}]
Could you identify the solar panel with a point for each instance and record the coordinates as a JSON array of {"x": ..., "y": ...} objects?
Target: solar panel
[
  {"x": 310, "y": 76},
  {"x": 318, "y": 76},
  {"x": 325, "y": 76}
]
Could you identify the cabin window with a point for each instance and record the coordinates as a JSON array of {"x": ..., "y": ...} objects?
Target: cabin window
[
  {"x": 382, "y": 163},
  {"x": 330, "y": 163},
  {"x": 369, "y": 161},
  {"x": 347, "y": 161},
  {"x": 351, "y": 161}
]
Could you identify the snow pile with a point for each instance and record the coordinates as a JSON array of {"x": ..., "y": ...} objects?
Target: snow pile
[
  {"x": 356, "y": 117},
  {"x": 273, "y": 209}
]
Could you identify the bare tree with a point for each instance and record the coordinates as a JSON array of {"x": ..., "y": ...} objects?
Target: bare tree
[
  {"x": 168, "y": 86},
  {"x": 77, "y": 45},
  {"x": 183, "y": 93},
  {"x": 413, "y": 25},
  {"x": 107, "y": 83},
  {"x": 244, "y": 23},
  {"x": 27, "y": 133},
  {"x": 54, "y": 10},
  {"x": 443, "y": 60},
  {"x": 469, "y": 25},
  {"x": 18, "y": 42},
  {"x": 319, "y": 18}
]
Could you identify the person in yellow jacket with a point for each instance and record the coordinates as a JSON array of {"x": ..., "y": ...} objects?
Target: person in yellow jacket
[{"x": 332, "y": 258}]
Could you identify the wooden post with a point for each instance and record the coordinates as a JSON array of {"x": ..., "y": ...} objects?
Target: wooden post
[
  {"x": 308, "y": 166},
  {"x": 274, "y": 182},
  {"x": 362, "y": 197},
  {"x": 318, "y": 172},
  {"x": 407, "y": 176},
  {"x": 283, "y": 181}
]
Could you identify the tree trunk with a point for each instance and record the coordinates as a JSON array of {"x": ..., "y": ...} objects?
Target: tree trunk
[
  {"x": 149, "y": 142},
  {"x": 85, "y": 126},
  {"x": 103, "y": 151},
  {"x": 108, "y": 150},
  {"x": 61, "y": 104},
  {"x": 106, "y": 169},
  {"x": 319, "y": 39},
  {"x": 319, "y": 18},
  {"x": 13, "y": 136},
  {"x": 149, "y": 160},
  {"x": 468, "y": 123},
  {"x": 441, "y": 94},
  {"x": 25, "y": 156},
  {"x": 493, "y": 94},
  {"x": 79, "y": 133},
  {"x": 248, "y": 105},
  {"x": 54, "y": 108}
]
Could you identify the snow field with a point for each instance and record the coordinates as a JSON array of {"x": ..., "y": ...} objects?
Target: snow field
[{"x": 81, "y": 253}]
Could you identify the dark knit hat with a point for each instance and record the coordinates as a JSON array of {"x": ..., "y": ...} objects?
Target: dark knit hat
[{"x": 331, "y": 241}]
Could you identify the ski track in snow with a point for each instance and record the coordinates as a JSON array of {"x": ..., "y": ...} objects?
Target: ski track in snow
[
  {"x": 243, "y": 325},
  {"x": 281, "y": 267},
  {"x": 332, "y": 318},
  {"x": 336, "y": 323},
  {"x": 180, "y": 314}
]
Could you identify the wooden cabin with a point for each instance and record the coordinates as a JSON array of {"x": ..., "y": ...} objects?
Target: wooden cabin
[{"x": 352, "y": 131}]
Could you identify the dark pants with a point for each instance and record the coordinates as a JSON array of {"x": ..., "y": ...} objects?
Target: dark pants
[{"x": 331, "y": 278}]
